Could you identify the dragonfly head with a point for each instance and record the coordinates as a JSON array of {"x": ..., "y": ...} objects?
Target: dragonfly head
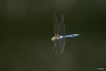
[{"x": 53, "y": 38}]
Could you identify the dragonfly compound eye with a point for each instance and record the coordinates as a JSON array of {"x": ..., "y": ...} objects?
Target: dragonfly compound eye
[{"x": 52, "y": 39}]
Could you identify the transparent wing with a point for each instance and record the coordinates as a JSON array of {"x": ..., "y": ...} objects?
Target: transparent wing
[
  {"x": 62, "y": 26},
  {"x": 62, "y": 42},
  {"x": 55, "y": 48},
  {"x": 56, "y": 24}
]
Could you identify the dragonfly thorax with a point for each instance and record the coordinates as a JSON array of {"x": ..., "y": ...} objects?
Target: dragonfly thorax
[{"x": 57, "y": 37}]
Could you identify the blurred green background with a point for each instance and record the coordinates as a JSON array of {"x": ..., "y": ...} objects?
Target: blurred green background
[{"x": 26, "y": 28}]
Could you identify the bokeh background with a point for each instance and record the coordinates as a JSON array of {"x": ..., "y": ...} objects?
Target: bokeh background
[{"x": 26, "y": 27}]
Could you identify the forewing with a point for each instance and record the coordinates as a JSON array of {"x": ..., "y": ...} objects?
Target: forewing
[
  {"x": 62, "y": 43},
  {"x": 55, "y": 48},
  {"x": 62, "y": 25},
  {"x": 56, "y": 24}
]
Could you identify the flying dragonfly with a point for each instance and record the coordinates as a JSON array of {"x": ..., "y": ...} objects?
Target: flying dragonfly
[{"x": 59, "y": 38}]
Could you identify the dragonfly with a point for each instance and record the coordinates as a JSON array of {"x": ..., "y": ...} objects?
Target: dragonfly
[{"x": 60, "y": 38}]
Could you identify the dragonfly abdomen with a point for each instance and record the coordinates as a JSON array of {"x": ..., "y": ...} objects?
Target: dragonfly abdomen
[
  {"x": 71, "y": 35},
  {"x": 61, "y": 37}
]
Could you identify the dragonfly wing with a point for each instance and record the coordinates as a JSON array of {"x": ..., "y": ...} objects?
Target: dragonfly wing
[
  {"x": 55, "y": 48},
  {"x": 62, "y": 26},
  {"x": 62, "y": 43},
  {"x": 56, "y": 24}
]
